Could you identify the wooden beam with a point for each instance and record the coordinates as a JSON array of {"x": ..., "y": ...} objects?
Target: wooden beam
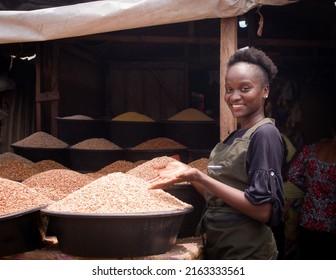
[
  {"x": 47, "y": 96},
  {"x": 227, "y": 47},
  {"x": 38, "y": 112},
  {"x": 206, "y": 40}
]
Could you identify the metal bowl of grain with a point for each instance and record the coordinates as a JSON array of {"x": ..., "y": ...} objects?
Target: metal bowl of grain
[
  {"x": 116, "y": 235},
  {"x": 116, "y": 216},
  {"x": 20, "y": 232}
]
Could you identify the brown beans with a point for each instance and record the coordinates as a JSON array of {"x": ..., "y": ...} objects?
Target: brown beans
[
  {"x": 201, "y": 164},
  {"x": 96, "y": 144},
  {"x": 146, "y": 171},
  {"x": 17, "y": 170},
  {"x": 160, "y": 143},
  {"x": 117, "y": 166},
  {"x": 57, "y": 183},
  {"x": 49, "y": 164},
  {"x": 15, "y": 197},
  {"x": 41, "y": 139},
  {"x": 9, "y": 156}
]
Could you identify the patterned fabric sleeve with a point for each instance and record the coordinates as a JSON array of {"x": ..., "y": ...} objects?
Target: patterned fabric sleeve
[{"x": 298, "y": 167}]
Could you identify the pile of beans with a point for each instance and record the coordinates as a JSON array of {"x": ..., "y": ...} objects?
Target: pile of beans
[
  {"x": 9, "y": 156},
  {"x": 160, "y": 143},
  {"x": 190, "y": 114},
  {"x": 117, "y": 166},
  {"x": 146, "y": 170},
  {"x": 133, "y": 117},
  {"x": 201, "y": 164},
  {"x": 16, "y": 197},
  {"x": 78, "y": 117},
  {"x": 117, "y": 193},
  {"x": 57, "y": 183},
  {"x": 17, "y": 170},
  {"x": 48, "y": 164},
  {"x": 41, "y": 139},
  {"x": 96, "y": 144}
]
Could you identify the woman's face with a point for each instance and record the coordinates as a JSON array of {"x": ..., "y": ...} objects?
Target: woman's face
[{"x": 245, "y": 91}]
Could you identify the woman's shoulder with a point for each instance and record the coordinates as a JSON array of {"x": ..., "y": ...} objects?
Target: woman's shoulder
[
  {"x": 267, "y": 130},
  {"x": 326, "y": 151}
]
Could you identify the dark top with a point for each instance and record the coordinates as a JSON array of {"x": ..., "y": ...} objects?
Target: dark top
[{"x": 263, "y": 163}]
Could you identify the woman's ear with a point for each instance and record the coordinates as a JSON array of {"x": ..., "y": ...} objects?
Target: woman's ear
[{"x": 265, "y": 91}]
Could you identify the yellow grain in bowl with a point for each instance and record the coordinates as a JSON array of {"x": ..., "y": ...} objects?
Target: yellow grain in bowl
[{"x": 133, "y": 117}]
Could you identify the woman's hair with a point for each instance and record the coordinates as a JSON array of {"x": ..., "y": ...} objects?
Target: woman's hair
[{"x": 256, "y": 57}]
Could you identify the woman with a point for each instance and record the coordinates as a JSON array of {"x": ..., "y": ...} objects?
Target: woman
[
  {"x": 314, "y": 172},
  {"x": 243, "y": 188}
]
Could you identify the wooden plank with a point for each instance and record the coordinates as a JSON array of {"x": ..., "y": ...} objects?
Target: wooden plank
[
  {"x": 210, "y": 40},
  {"x": 47, "y": 96},
  {"x": 38, "y": 87},
  {"x": 228, "y": 46}
]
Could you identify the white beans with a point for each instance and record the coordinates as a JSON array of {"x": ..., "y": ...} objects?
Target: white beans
[{"x": 117, "y": 193}]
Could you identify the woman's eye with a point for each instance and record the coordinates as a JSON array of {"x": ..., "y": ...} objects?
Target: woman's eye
[
  {"x": 244, "y": 89},
  {"x": 228, "y": 90}
]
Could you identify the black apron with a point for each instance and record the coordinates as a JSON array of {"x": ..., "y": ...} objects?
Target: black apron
[{"x": 228, "y": 233}]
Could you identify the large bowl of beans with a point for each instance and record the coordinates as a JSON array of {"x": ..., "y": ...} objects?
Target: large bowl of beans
[
  {"x": 117, "y": 216},
  {"x": 42, "y": 146}
]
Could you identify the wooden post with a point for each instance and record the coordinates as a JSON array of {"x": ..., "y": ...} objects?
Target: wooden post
[
  {"x": 47, "y": 84},
  {"x": 228, "y": 45},
  {"x": 38, "y": 88}
]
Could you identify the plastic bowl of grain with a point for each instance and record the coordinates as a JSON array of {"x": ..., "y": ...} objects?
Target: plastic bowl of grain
[
  {"x": 131, "y": 128},
  {"x": 158, "y": 147},
  {"x": 76, "y": 128},
  {"x": 116, "y": 216},
  {"x": 20, "y": 232},
  {"x": 192, "y": 128},
  {"x": 93, "y": 154},
  {"x": 116, "y": 235},
  {"x": 42, "y": 146}
]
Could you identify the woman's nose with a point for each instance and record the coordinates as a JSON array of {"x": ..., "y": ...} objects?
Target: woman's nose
[{"x": 235, "y": 95}]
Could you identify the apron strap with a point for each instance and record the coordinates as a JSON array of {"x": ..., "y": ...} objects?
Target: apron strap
[{"x": 251, "y": 130}]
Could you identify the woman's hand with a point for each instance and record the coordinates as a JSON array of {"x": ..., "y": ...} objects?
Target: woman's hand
[{"x": 171, "y": 173}]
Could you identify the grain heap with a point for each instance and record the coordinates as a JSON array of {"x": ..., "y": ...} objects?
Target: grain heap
[
  {"x": 117, "y": 193},
  {"x": 17, "y": 170},
  {"x": 78, "y": 117},
  {"x": 57, "y": 183},
  {"x": 117, "y": 166},
  {"x": 48, "y": 164},
  {"x": 201, "y": 164},
  {"x": 146, "y": 170},
  {"x": 41, "y": 139},
  {"x": 160, "y": 143},
  {"x": 9, "y": 156},
  {"x": 133, "y": 117},
  {"x": 190, "y": 114},
  {"x": 96, "y": 144},
  {"x": 16, "y": 197}
]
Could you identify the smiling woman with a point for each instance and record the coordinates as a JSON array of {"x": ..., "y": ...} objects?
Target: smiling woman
[{"x": 245, "y": 195}]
